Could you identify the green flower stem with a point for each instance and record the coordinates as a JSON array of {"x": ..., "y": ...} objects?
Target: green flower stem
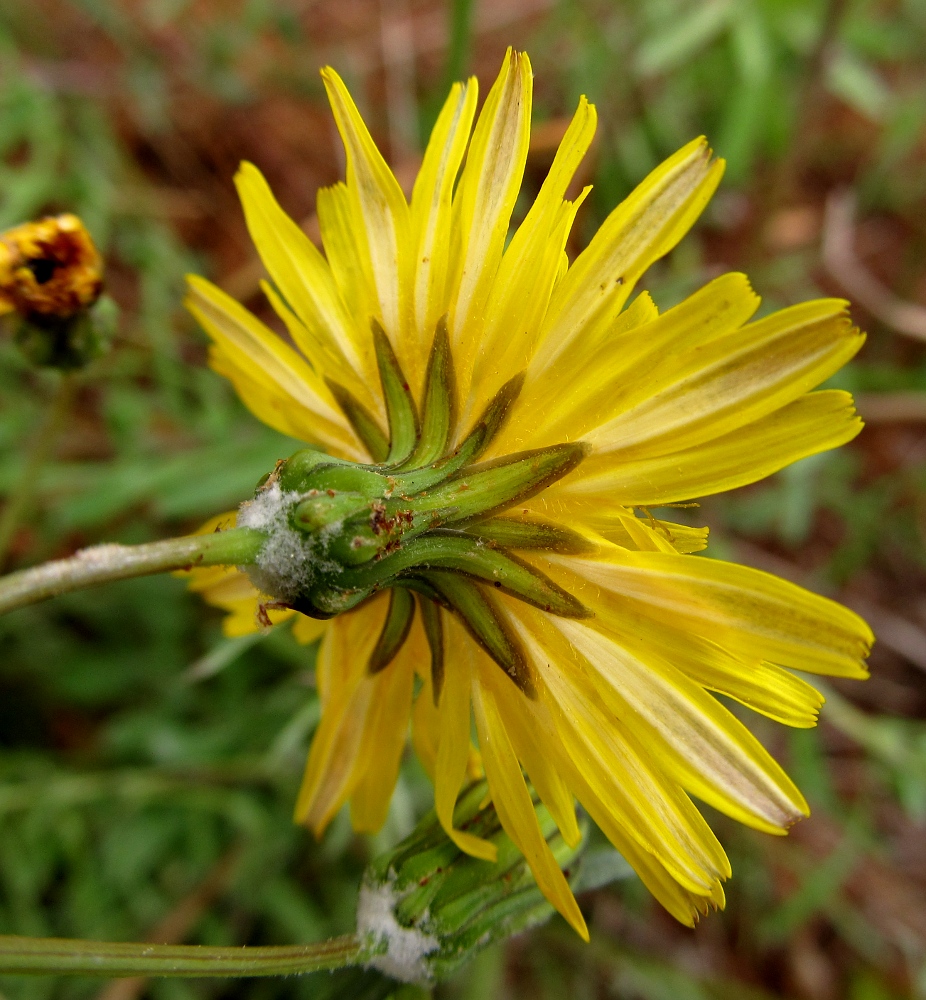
[
  {"x": 102, "y": 563},
  {"x": 39, "y": 450},
  {"x": 64, "y": 956}
]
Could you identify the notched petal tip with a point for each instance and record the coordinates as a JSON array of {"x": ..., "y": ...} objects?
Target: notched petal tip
[
  {"x": 701, "y": 160},
  {"x": 246, "y": 169},
  {"x": 697, "y": 149},
  {"x": 331, "y": 76}
]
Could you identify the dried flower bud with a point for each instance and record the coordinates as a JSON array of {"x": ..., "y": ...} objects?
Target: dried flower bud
[
  {"x": 51, "y": 277},
  {"x": 49, "y": 268}
]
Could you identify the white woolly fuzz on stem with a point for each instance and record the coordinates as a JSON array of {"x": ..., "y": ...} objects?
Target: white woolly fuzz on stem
[
  {"x": 286, "y": 565},
  {"x": 406, "y": 949}
]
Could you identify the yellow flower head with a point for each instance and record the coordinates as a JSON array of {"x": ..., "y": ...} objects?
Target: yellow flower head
[{"x": 490, "y": 417}]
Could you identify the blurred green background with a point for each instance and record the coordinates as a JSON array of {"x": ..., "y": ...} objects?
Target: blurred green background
[{"x": 147, "y": 765}]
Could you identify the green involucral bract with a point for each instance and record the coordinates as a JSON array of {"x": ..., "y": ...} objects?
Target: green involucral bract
[{"x": 424, "y": 517}]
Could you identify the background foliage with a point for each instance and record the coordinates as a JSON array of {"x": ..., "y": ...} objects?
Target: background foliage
[{"x": 147, "y": 765}]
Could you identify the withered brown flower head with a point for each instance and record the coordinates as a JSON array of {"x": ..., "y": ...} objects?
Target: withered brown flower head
[{"x": 49, "y": 268}]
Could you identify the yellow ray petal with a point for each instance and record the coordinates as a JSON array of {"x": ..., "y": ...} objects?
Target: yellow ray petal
[
  {"x": 265, "y": 360},
  {"x": 335, "y": 757},
  {"x": 282, "y": 413},
  {"x": 385, "y": 735},
  {"x": 588, "y": 385},
  {"x": 330, "y": 365},
  {"x": 597, "y": 516},
  {"x": 200, "y": 580},
  {"x": 681, "y": 537},
  {"x": 654, "y": 810},
  {"x": 763, "y": 687},
  {"x": 569, "y": 155},
  {"x": 685, "y": 905},
  {"x": 517, "y": 304},
  {"x": 645, "y": 536},
  {"x": 533, "y": 736},
  {"x": 328, "y": 336},
  {"x": 514, "y": 806},
  {"x": 343, "y": 251},
  {"x": 639, "y": 231},
  {"x": 689, "y": 733},
  {"x": 483, "y": 204},
  {"x": 380, "y": 214},
  {"x": 754, "y": 615},
  {"x": 697, "y": 395},
  {"x": 243, "y": 617},
  {"x": 453, "y": 748},
  {"x": 530, "y": 264},
  {"x": 234, "y": 593},
  {"x": 431, "y": 215},
  {"x": 306, "y": 630},
  {"x": 226, "y": 587},
  {"x": 552, "y": 392},
  {"x": 814, "y": 423},
  {"x": 232, "y": 586},
  {"x": 426, "y": 728}
]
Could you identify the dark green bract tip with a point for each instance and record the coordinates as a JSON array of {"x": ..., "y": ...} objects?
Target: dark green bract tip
[{"x": 422, "y": 517}]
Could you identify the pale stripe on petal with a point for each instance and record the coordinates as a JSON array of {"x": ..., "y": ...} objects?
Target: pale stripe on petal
[
  {"x": 690, "y": 733},
  {"x": 381, "y": 215},
  {"x": 654, "y": 809},
  {"x": 640, "y": 230},
  {"x": 385, "y": 735},
  {"x": 752, "y": 614},
  {"x": 530, "y": 264},
  {"x": 303, "y": 277},
  {"x": 431, "y": 215},
  {"x": 816, "y": 422},
  {"x": 513, "y": 801},
  {"x": 453, "y": 748},
  {"x": 483, "y": 204},
  {"x": 697, "y": 395}
]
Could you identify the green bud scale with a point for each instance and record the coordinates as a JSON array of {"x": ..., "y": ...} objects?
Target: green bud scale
[
  {"x": 426, "y": 907},
  {"x": 69, "y": 342}
]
